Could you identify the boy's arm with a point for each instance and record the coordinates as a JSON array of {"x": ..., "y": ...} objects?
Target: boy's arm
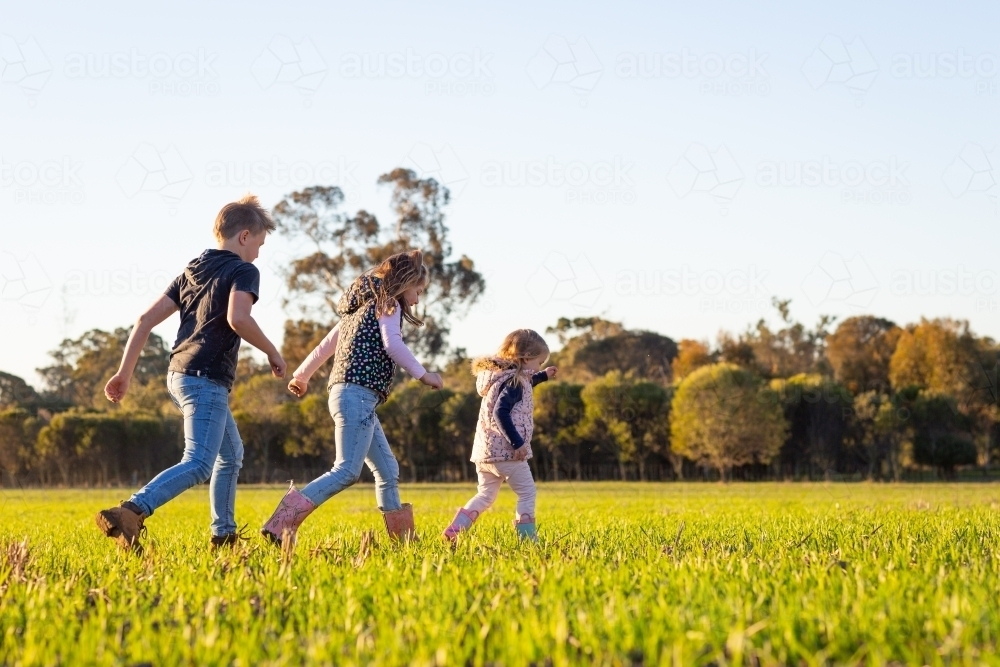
[
  {"x": 246, "y": 327},
  {"x": 117, "y": 386}
]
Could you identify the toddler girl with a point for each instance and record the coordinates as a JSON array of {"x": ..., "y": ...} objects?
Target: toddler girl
[{"x": 503, "y": 434}]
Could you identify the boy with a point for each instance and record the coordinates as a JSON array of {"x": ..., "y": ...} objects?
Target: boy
[{"x": 214, "y": 296}]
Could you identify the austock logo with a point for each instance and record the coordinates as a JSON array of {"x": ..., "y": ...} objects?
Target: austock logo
[
  {"x": 47, "y": 182},
  {"x": 837, "y": 280},
  {"x": 24, "y": 64},
  {"x": 562, "y": 62},
  {"x": 457, "y": 74},
  {"x": 560, "y": 279},
  {"x": 185, "y": 74},
  {"x": 835, "y": 62},
  {"x": 599, "y": 182},
  {"x": 731, "y": 74},
  {"x": 713, "y": 173},
  {"x": 153, "y": 171},
  {"x": 442, "y": 165},
  {"x": 24, "y": 281},
  {"x": 283, "y": 61},
  {"x": 975, "y": 170}
]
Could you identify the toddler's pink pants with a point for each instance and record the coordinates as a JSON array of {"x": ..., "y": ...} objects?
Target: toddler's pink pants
[{"x": 492, "y": 475}]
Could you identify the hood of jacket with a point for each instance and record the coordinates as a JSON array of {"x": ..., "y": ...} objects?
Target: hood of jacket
[
  {"x": 208, "y": 265},
  {"x": 490, "y": 370},
  {"x": 360, "y": 293}
]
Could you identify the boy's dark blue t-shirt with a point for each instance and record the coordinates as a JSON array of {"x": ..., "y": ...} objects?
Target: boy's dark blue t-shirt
[{"x": 206, "y": 345}]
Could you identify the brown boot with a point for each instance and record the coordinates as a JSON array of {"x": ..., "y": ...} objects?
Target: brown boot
[
  {"x": 230, "y": 540},
  {"x": 399, "y": 523},
  {"x": 124, "y": 524}
]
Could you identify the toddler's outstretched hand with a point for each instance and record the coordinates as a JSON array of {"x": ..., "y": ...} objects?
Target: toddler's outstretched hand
[
  {"x": 298, "y": 387},
  {"x": 551, "y": 371},
  {"x": 432, "y": 380}
]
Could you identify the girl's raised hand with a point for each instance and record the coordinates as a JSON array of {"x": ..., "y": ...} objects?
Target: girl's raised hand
[
  {"x": 298, "y": 387},
  {"x": 432, "y": 380},
  {"x": 551, "y": 371}
]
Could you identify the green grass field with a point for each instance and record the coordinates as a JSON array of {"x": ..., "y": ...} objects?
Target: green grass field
[{"x": 623, "y": 574}]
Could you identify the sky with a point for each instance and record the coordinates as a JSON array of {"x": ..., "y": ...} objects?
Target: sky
[{"x": 673, "y": 166}]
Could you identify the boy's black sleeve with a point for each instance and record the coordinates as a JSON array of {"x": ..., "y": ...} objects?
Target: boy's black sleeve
[
  {"x": 538, "y": 378},
  {"x": 247, "y": 279},
  {"x": 174, "y": 290},
  {"x": 509, "y": 396}
]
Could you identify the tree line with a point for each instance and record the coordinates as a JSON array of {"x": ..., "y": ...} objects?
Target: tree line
[
  {"x": 862, "y": 398},
  {"x": 869, "y": 400}
]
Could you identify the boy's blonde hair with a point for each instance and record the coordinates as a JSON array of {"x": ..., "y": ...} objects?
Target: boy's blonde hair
[
  {"x": 521, "y": 345},
  {"x": 246, "y": 213},
  {"x": 397, "y": 273}
]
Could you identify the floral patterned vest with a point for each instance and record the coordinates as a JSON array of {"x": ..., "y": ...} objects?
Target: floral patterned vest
[{"x": 361, "y": 357}]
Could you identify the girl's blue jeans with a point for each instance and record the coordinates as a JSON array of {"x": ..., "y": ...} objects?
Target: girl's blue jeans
[
  {"x": 212, "y": 450},
  {"x": 360, "y": 441}
]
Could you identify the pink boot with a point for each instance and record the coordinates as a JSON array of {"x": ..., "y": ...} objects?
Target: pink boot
[
  {"x": 463, "y": 521},
  {"x": 288, "y": 516},
  {"x": 399, "y": 523}
]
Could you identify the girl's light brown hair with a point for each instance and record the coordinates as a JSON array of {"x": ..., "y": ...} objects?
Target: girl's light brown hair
[
  {"x": 397, "y": 273},
  {"x": 521, "y": 345}
]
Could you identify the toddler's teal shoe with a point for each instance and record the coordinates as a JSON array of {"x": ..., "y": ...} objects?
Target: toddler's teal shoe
[{"x": 525, "y": 527}]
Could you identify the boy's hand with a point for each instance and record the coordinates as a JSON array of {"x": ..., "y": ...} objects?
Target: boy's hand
[
  {"x": 277, "y": 365},
  {"x": 551, "y": 371},
  {"x": 116, "y": 387},
  {"x": 298, "y": 387},
  {"x": 432, "y": 380}
]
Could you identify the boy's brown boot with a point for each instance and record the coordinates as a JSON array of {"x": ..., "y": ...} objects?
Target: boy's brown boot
[
  {"x": 230, "y": 540},
  {"x": 123, "y": 523}
]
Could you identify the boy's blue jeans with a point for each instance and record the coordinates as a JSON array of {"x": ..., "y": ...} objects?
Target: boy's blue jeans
[
  {"x": 212, "y": 449},
  {"x": 360, "y": 440}
]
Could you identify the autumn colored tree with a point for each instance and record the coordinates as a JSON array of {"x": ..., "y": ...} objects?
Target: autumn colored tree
[
  {"x": 633, "y": 416},
  {"x": 859, "y": 351},
  {"x": 691, "y": 355},
  {"x": 593, "y": 347},
  {"x": 940, "y": 355},
  {"x": 724, "y": 416},
  {"x": 787, "y": 351}
]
